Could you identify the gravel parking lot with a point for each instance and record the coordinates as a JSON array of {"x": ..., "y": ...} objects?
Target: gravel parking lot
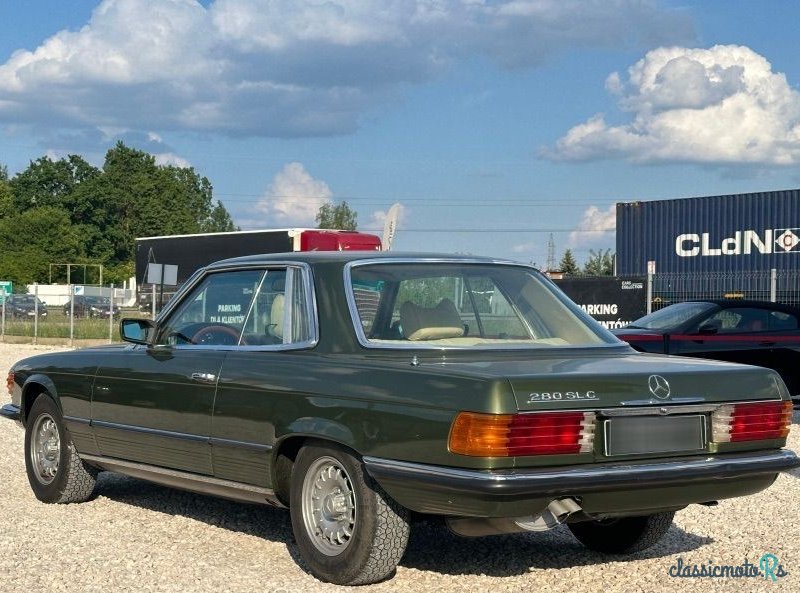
[{"x": 139, "y": 537}]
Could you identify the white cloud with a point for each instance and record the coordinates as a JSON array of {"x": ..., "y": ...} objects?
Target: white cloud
[
  {"x": 596, "y": 227},
  {"x": 290, "y": 67},
  {"x": 525, "y": 247},
  {"x": 293, "y": 198},
  {"x": 722, "y": 105},
  {"x": 170, "y": 158}
]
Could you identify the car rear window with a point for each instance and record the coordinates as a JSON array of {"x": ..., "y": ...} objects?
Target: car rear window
[{"x": 464, "y": 305}]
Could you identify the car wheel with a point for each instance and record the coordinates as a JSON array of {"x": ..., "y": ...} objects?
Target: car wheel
[
  {"x": 349, "y": 531},
  {"x": 623, "y": 536},
  {"x": 55, "y": 472}
]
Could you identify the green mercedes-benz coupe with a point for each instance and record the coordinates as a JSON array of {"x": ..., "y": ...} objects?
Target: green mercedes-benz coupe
[{"x": 359, "y": 389}]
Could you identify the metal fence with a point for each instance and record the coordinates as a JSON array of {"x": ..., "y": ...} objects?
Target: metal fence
[
  {"x": 782, "y": 286},
  {"x": 82, "y": 315},
  {"x": 66, "y": 315}
]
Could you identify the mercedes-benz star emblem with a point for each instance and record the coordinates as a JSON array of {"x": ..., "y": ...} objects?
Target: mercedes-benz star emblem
[{"x": 658, "y": 386}]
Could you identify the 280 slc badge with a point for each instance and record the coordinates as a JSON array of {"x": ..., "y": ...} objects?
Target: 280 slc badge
[{"x": 558, "y": 396}]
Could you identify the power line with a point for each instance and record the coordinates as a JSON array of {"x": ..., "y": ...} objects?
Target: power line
[
  {"x": 234, "y": 197},
  {"x": 503, "y": 230}
]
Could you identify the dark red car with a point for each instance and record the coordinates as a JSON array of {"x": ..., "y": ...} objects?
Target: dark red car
[{"x": 750, "y": 332}]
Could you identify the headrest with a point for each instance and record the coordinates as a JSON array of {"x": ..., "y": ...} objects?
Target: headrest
[
  {"x": 276, "y": 316},
  {"x": 431, "y": 323}
]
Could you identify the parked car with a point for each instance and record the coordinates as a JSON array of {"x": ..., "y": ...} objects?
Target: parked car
[
  {"x": 90, "y": 306},
  {"x": 752, "y": 332},
  {"x": 359, "y": 388},
  {"x": 25, "y": 306}
]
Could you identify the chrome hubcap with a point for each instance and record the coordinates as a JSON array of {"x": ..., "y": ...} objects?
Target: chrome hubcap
[
  {"x": 45, "y": 449},
  {"x": 329, "y": 506}
]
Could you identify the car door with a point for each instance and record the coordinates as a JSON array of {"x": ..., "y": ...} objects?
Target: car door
[
  {"x": 733, "y": 334},
  {"x": 783, "y": 340},
  {"x": 153, "y": 404},
  {"x": 261, "y": 377}
]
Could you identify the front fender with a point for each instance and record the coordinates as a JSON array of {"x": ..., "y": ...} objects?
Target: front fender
[{"x": 32, "y": 387}]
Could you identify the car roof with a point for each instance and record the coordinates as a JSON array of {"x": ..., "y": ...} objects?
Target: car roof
[
  {"x": 343, "y": 257},
  {"x": 732, "y": 303}
]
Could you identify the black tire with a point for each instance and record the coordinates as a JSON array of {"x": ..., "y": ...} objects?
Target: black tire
[
  {"x": 625, "y": 535},
  {"x": 379, "y": 527},
  {"x": 55, "y": 472}
]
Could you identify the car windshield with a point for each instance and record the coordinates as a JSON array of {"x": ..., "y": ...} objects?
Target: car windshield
[
  {"x": 24, "y": 300},
  {"x": 672, "y": 316},
  {"x": 465, "y": 305},
  {"x": 97, "y": 300}
]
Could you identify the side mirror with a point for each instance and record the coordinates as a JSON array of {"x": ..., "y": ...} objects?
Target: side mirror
[
  {"x": 710, "y": 328},
  {"x": 136, "y": 331}
]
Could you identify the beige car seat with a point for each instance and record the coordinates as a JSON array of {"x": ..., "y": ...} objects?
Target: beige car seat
[
  {"x": 431, "y": 323},
  {"x": 276, "y": 317}
]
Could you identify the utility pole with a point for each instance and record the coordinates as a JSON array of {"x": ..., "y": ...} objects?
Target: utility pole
[{"x": 551, "y": 254}]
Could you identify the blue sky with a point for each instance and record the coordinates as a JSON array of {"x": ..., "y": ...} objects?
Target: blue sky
[{"x": 493, "y": 123}]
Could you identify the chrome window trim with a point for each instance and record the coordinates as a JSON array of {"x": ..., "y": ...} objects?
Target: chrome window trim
[
  {"x": 288, "y": 306},
  {"x": 355, "y": 318},
  {"x": 308, "y": 289}
]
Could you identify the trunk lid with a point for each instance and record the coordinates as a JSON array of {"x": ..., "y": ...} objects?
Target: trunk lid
[{"x": 593, "y": 382}]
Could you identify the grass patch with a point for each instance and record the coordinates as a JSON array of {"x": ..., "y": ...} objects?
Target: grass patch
[{"x": 56, "y": 325}]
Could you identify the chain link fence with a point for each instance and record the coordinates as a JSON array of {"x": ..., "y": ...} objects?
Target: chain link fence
[
  {"x": 66, "y": 314},
  {"x": 782, "y": 286}
]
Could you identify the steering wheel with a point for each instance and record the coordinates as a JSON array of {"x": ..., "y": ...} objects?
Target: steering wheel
[{"x": 217, "y": 335}]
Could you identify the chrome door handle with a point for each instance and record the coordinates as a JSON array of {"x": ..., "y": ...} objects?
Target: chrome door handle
[{"x": 204, "y": 377}]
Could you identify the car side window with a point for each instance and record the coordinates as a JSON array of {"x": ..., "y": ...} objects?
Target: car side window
[
  {"x": 781, "y": 321},
  {"x": 740, "y": 320},
  {"x": 244, "y": 308},
  {"x": 214, "y": 313},
  {"x": 281, "y": 312}
]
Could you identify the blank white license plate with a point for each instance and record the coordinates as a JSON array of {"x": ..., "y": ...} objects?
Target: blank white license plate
[{"x": 654, "y": 434}]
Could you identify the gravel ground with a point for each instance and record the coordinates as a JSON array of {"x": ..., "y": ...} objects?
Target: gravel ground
[{"x": 139, "y": 537}]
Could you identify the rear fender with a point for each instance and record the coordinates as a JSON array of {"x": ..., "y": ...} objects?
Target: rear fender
[{"x": 321, "y": 428}]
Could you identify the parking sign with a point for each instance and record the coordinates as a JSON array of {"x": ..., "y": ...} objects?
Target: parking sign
[{"x": 6, "y": 287}]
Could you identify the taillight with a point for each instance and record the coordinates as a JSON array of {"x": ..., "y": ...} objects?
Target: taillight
[
  {"x": 512, "y": 435},
  {"x": 751, "y": 422},
  {"x": 10, "y": 382}
]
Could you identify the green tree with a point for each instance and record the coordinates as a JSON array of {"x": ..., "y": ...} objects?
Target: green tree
[
  {"x": 338, "y": 216},
  {"x": 568, "y": 265},
  {"x": 219, "y": 221},
  {"x": 6, "y": 197},
  {"x": 131, "y": 196},
  {"x": 600, "y": 263},
  {"x": 34, "y": 239},
  {"x": 135, "y": 197},
  {"x": 50, "y": 183}
]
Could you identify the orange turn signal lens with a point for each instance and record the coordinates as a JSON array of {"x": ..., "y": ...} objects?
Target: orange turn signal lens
[{"x": 511, "y": 435}]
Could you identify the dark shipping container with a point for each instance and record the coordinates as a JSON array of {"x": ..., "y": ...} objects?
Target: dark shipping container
[
  {"x": 732, "y": 233},
  {"x": 192, "y": 252}
]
